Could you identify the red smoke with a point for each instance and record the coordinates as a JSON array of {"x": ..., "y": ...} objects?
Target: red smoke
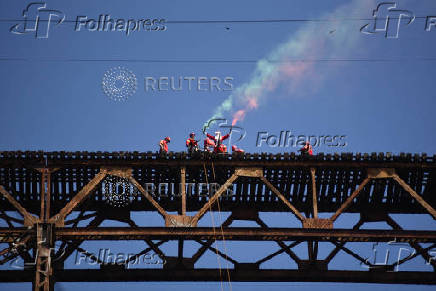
[{"x": 240, "y": 114}]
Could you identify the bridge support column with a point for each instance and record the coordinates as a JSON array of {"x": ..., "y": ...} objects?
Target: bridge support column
[{"x": 44, "y": 280}]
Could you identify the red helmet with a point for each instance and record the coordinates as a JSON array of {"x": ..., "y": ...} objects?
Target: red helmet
[
  {"x": 234, "y": 148},
  {"x": 168, "y": 139},
  {"x": 192, "y": 134}
]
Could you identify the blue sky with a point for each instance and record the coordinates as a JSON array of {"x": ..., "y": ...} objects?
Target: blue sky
[{"x": 52, "y": 101}]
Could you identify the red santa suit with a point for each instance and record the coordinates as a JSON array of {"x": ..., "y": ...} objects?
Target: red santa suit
[{"x": 218, "y": 139}]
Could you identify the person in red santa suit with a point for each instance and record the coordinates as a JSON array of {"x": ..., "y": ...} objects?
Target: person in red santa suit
[
  {"x": 218, "y": 139},
  {"x": 209, "y": 145},
  {"x": 307, "y": 150},
  {"x": 235, "y": 149}
]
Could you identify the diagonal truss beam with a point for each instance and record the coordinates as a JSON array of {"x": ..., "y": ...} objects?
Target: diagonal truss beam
[
  {"x": 215, "y": 197},
  {"x": 415, "y": 195},
  {"x": 283, "y": 198},
  {"x": 59, "y": 218},
  {"x": 29, "y": 219},
  {"x": 350, "y": 199},
  {"x": 148, "y": 197}
]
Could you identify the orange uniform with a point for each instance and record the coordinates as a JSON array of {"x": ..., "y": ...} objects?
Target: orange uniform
[
  {"x": 163, "y": 145},
  {"x": 190, "y": 142}
]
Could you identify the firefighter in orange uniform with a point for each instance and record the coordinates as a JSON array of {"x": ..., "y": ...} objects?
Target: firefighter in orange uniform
[
  {"x": 191, "y": 143},
  {"x": 163, "y": 145}
]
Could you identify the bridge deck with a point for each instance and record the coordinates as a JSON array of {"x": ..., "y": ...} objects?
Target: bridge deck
[{"x": 337, "y": 176}]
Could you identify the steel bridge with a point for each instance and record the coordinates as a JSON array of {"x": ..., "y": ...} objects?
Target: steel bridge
[{"x": 55, "y": 192}]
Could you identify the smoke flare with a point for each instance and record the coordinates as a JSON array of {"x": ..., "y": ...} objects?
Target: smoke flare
[{"x": 294, "y": 62}]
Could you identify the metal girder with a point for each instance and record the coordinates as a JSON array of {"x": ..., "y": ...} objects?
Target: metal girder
[
  {"x": 43, "y": 267},
  {"x": 244, "y": 234},
  {"x": 28, "y": 218},
  {"x": 231, "y": 233},
  {"x": 213, "y": 275},
  {"x": 156, "y": 160},
  {"x": 266, "y": 175},
  {"x": 59, "y": 218}
]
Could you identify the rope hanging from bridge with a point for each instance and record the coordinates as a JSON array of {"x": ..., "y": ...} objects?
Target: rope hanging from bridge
[
  {"x": 222, "y": 231},
  {"x": 214, "y": 231}
]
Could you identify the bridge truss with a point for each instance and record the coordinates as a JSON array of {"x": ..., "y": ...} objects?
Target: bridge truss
[{"x": 56, "y": 193}]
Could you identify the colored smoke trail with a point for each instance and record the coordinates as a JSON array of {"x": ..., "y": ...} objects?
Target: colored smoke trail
[{"x": 313, "y": 41}]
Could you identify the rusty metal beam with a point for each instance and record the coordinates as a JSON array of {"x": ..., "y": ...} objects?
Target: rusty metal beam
[
  {"x": 44, "y": 215},
  {"x": 238, "y": 234},
  {"x": 415, "y": 195},
  {"x": 283, "y": 198},
  {"x": 295, "y": 162},
  {"x": 29, "y": 219},
  {"x": 314, "y": 196},
  {"x": 44, "y": 280},
  {"x": 213, "y": 275},
  {"x": 182, "y": 185},
  {"x": 350, "y": 199},
  {"x": 148, "y": 197},
  {"x": 231, "y": 233},
  {"x": 214, "y": 198},
  {"x": 59, "y": 218}
]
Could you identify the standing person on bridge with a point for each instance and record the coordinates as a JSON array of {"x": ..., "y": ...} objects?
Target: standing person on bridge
[
  {"x": 191, "y": 143},
  {"x": 163, "y": 145},
  {"x": 307, "y": 150}
]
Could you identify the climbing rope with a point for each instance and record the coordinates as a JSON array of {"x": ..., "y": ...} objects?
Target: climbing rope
[
  {"x": 214, "y": 231},
  {"x": 222, "y": 231}
]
